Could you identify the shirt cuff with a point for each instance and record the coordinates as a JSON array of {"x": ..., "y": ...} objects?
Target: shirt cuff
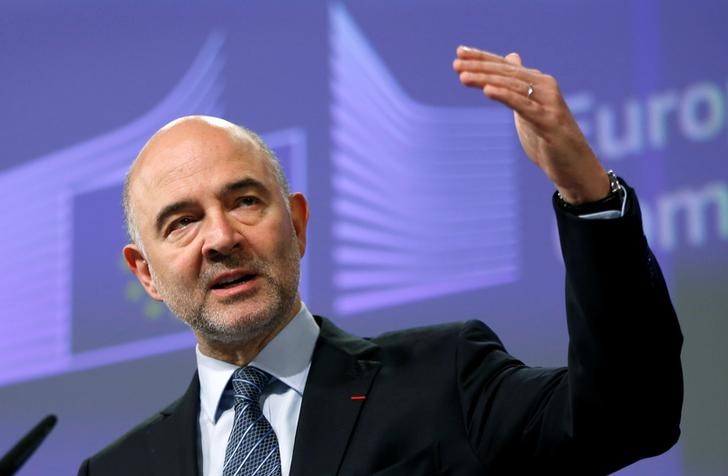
[{"x": 608, "y": 214}]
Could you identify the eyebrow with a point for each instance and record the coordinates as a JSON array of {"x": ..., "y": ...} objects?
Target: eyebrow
[
  {"x": 232, "y": 187},
  {"x": 170, "y": 210},
  {"x": 243, "y": 184}
]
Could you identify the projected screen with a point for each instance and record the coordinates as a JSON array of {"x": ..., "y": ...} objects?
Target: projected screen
[{"x": 424, "y": 206}]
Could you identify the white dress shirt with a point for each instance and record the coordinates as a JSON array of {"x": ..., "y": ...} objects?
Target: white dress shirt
[{"x": 287, "y": 358}]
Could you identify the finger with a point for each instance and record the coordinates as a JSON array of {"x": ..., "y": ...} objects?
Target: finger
[
  {"x": 468, "y": 52},
  {"x": 504, "y": 69},
  {"x": 480, "y": 80},
  {"x": 526, "y": 108},
  {"x": 514, "y": 58}
]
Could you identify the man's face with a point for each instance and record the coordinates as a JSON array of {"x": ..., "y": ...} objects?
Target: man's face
[{"x": 219, "y": 244}]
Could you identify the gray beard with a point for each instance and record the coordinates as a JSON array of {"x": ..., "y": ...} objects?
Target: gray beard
[{"x": 211, "y": 325}]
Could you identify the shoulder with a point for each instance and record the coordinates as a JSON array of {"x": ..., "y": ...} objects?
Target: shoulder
[
  {"x": 471, "y": 329},
  {"x": 441, "y": 333},
  {"x": 141, "y": 429},
  {"x": 137, "y": 450},
  {"x": 133, "y": 442},
  {"x": 419, "y": 343}
]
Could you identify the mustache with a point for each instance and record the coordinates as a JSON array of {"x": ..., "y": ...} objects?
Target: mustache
[{"x": 226, "y": 263}]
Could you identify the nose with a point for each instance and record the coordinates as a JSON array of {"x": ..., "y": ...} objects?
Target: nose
[{"x": 221, "y": 237}]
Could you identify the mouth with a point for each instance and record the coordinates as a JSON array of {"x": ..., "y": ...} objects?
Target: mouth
[
  {"x": 234, "y": 284},
  {"x": 232, "y": 281}
]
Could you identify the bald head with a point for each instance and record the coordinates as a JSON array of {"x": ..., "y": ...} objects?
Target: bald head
[{"x": 193, "y": 136}]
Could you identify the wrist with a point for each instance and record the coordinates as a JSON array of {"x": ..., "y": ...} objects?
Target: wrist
[{"x": 612, "y": 201}]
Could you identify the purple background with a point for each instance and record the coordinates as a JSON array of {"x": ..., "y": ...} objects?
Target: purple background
[{"x": 424, "y": 208}]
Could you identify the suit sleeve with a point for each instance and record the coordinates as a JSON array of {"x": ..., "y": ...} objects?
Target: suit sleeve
[
  {"x": 84, "y": 470},
  {"x": 620, "y": 398}
]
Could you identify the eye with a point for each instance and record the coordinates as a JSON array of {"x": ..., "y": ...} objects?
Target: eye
[
  {"x": 248, "y": 201},
  {"x": 179, "y": 223}
]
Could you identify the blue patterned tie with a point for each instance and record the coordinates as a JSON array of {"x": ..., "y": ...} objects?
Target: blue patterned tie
[{"x": 252, "y": 448}]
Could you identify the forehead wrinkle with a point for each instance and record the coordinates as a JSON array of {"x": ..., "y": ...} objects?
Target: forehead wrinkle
[
  {"x": 147, "y": 183},
  {"x": 179, "y": 173},
  {"x": 146, "y": 207},
  {"x": 177, "y": 189}
]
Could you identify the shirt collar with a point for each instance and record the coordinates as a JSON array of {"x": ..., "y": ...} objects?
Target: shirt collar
[{"x": 287, "y": 357}]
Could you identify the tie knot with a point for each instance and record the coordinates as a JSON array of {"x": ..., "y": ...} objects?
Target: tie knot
[{"x": 249, "y": 382}]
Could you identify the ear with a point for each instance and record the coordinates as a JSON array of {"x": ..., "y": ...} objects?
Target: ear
[
  {"x": 299, "y": 217},
  {"x": 138, "y": 265}
]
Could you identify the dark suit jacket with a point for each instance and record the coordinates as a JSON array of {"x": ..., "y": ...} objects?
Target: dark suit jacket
[{"x": 450, "y": 400}]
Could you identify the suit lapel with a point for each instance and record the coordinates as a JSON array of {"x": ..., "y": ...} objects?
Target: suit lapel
[
  {"x": 173, "y": 440},
  {"x": 342, "y": 367}
]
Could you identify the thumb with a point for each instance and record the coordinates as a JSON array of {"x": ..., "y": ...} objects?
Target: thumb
[{"x": 514, "y": 58}]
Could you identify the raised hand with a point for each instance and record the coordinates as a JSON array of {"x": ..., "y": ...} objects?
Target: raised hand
[{"x": 546, "y": 128}]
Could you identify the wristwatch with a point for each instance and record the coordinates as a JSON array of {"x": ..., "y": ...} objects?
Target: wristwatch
[{"x": 613, "y": 201}]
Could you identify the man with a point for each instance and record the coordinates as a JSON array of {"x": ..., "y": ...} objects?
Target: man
[{"x": 217, "y": 237}]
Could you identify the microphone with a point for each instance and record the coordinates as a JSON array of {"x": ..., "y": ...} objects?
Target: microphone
[{"x": 18, "y": 454}]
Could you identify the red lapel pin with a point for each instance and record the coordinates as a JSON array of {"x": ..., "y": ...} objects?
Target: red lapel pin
[{"x": 358, "y": 397}]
